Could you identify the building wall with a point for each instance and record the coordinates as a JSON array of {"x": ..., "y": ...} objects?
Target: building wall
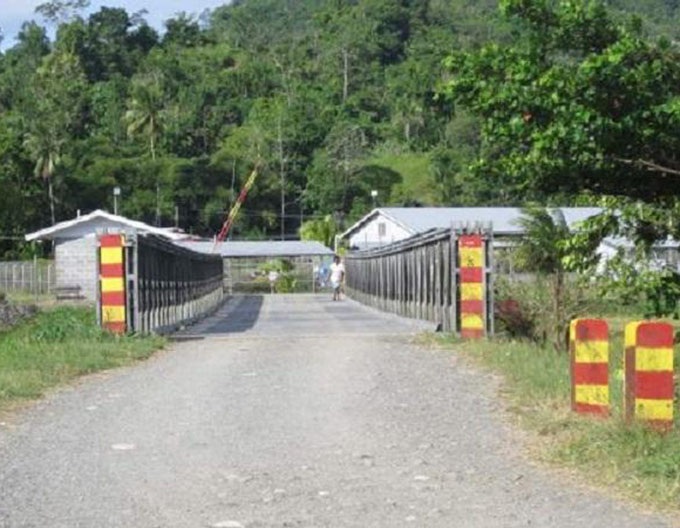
[
  {"x": 76, "y": 265},
  {"x": 373, "y": 235}
]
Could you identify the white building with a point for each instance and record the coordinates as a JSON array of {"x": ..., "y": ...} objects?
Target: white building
[
  {"x": 76, "y": 247},
  {"x": 390, "y": 224}
]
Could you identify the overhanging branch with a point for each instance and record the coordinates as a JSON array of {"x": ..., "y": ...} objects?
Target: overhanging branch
[{"x": 649, "y": 165}]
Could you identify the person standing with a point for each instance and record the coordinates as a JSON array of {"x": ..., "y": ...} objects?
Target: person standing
[{"x": 337, "y": 277}]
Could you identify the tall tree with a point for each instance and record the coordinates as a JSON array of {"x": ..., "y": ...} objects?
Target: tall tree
[
  {"x": 579, "y": 103},
  {"x": 56, "y": 11},
  {"x": 145, "y": 118},
  {"x": 53, "y": 115}
]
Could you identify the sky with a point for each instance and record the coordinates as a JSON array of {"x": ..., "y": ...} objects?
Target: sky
[{"x": 13, "y": 13}]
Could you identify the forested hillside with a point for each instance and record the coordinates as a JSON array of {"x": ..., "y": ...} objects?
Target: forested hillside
[{"x": 332, "y": 99}]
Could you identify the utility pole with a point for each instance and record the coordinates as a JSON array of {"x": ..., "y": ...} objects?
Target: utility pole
[
  {"x": 282, "y": 170},
  {"x": 158, "y": 206},
  {"x": 116, "y": 194}
]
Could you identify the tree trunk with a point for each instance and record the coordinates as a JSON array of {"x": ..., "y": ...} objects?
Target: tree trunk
[
  {"x": 50, "y": 193},
  {"x": 345, "y": 74},
  {"x": 152, "y": 141},
  {"x": 158, "y": 202},
  {"x": 559, "y": 339},
  {"x": 282, "y": 174},
  {"x": 345, "y": 177}
]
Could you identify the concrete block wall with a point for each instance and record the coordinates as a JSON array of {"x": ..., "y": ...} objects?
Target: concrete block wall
[{"x": 76, "y": 263}]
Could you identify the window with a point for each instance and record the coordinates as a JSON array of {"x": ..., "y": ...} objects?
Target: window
[{"x": 382, "y": 229}]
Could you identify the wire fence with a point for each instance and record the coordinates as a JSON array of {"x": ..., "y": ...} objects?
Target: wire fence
[
  {"x": 36, "y": 277},
  {"x": 251, "y": 275}
]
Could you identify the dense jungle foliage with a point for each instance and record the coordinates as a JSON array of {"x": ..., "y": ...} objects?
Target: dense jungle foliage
[{"x": 330, "y": 98}]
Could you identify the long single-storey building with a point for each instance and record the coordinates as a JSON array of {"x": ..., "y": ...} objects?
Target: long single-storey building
[
  {"x": 244, "y": 261},
  {"x": 386, "y": 225}
]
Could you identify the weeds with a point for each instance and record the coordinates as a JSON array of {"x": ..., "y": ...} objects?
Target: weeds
[
  {"x": 640, "y": 463},
  {"x": 59, "y": 345}
]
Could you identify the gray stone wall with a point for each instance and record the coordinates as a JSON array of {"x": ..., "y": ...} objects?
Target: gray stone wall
[{"x": 76, "y": 263}]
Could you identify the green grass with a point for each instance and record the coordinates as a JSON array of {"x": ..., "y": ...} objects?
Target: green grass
[
  {"x": 417, "y": 181},
  {"x": 41, "y": 300},
  {"x": 633, "y": 460},
  {"x": 58, "y": 345}
]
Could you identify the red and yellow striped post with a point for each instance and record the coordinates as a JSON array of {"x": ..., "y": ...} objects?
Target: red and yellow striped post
[
  {"x": 471, "y": 252},
  {"x": 112, "y": 280},
  {"x": 649, "y": 374},
  {"x": 589, "y": 347}
]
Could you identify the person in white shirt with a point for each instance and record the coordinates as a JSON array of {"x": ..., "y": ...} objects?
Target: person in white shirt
[{"x": 337, "y": 276}]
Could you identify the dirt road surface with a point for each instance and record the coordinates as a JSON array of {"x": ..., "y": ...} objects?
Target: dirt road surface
[{"x": 286, "y": 411}]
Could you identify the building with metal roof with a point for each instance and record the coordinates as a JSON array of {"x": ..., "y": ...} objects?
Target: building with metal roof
[
  {"x": 248, "y": 264},
  {"x": 259, "y": 249},
  {"x": 88, "y": 224},
  {"x": 75, "y": 248},
  {"x": 390, "y": 224}
]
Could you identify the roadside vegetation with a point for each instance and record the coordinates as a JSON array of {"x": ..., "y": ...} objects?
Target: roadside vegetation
[
  {"x": 575, "y": 108},
  {"x": 531, "y": 353},
  {"x": 637, "y": 462},
  {"x": 58, "y": 345}
]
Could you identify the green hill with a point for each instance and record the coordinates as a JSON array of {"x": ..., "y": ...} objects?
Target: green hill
[{"x": 314, "y": 92}]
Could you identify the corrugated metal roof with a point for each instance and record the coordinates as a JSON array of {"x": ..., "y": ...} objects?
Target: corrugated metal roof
[
  {"x": 505, "y": 220},
  {"x": 274, "y": 248},
  {"x": 98, "y": 219}
]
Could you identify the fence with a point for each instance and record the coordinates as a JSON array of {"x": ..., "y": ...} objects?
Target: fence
[
  {"x": 163, "y": 285},
  {"x": 420, "y": 277},
  {"x": 249, "y": 274},
  {"x": 34, "y": 277}
]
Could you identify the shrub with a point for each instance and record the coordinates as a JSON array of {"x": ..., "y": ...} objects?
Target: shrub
[{"x": 532, "y": 314}]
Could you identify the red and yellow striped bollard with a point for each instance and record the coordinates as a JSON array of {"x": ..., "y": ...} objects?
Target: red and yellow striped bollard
[
  {"x": 589, "y": 347},
  {"x": 471, "y": 252},
  {"x": 112, "y": 277},
  {"x": 649, "y": 374}
]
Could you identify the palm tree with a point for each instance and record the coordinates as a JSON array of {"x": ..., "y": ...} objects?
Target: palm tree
[
  {"x": 322, "y": 230},
  {"x": 52, "y": 111},
  {"x": 145, "y": 116},
  {"x": 542, "y": 251},
  {"x": 45, "y": 147},
  {"x": 544, "y": 230}
]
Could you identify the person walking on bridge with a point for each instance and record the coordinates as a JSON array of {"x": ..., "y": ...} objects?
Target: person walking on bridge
[{"x": 337, "y": 277}]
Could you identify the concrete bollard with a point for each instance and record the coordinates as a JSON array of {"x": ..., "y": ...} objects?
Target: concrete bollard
[
  {"x": 589, "y": 350},
  {"x": 471, "y": 251},
  {"x": 112, "y": 280},
  {"x": 648, "y": 369}
]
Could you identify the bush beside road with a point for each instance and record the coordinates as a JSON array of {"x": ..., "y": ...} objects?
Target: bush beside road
[{"x": 55, "y": 346}]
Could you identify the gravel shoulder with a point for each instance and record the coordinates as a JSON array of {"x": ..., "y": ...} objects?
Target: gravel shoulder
[{"x": 286, "y": 412}]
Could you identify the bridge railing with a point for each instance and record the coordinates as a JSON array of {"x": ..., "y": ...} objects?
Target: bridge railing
[
  {"x": 148, "y": 284},
  {"x": 421, "y": 278}
]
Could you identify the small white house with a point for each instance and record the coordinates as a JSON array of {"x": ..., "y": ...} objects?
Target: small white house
[
  {"x": 390, "y": 224},
  {"x": 76, "y": 247}
]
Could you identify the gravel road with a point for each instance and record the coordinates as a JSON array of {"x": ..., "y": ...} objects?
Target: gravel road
[{"x": 285, "y": 412}]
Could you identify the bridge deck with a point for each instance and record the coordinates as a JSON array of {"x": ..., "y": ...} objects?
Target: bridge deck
[
  {"x": 300, "y": 315},
  {"x": 285, "y": 412}
]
